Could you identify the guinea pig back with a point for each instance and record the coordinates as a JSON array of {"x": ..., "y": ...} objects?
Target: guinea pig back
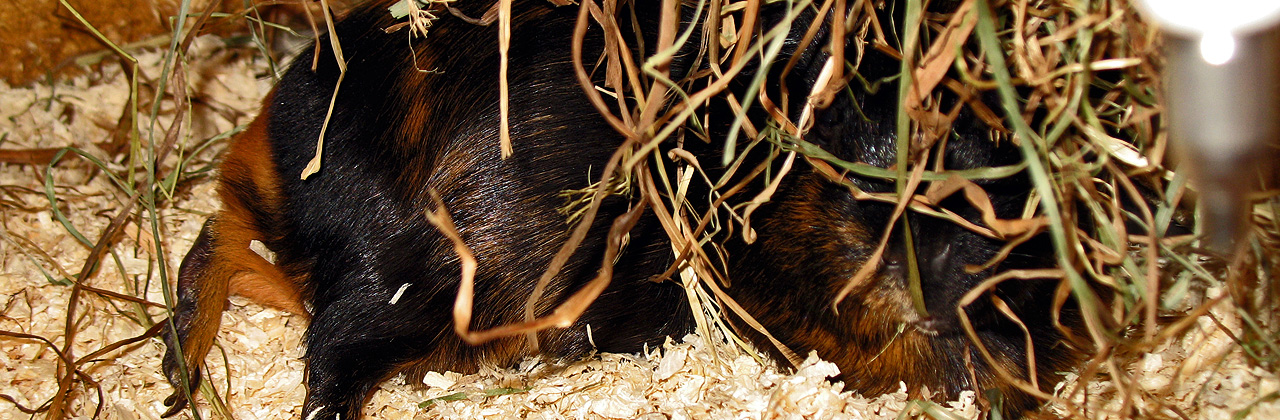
[{"x": 355, "y": 253}]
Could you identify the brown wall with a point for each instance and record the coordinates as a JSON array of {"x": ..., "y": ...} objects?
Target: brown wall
[{"x": 40, "y": 36}]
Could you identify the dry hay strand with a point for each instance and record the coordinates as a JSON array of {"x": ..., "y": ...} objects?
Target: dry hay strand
[{"x": 1184, "y": 333}]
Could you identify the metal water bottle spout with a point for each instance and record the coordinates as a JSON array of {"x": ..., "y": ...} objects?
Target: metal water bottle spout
[{"x": 1222, "y": 90}]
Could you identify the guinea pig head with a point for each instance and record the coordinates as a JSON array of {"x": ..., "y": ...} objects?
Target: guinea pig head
[{"x": 817, "y": 234}]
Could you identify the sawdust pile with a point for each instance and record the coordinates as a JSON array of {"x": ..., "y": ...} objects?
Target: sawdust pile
[{"x": 257, "y": 367}]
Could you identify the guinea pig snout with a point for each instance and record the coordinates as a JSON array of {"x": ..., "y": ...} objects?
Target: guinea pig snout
[{"x": 940, "y": 255}]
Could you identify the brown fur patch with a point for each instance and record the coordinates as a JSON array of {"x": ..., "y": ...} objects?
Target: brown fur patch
[{"x": 250, "y": 193}]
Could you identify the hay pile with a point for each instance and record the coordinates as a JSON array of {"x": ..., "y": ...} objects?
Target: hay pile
[{"x": 1218, "y": 366}]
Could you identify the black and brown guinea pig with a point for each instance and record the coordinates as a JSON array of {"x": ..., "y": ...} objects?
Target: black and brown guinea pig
[{"x": 408, "y": 120}]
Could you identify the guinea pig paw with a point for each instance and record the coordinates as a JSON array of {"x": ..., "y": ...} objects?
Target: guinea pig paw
[{"x": 176, "y": 402}]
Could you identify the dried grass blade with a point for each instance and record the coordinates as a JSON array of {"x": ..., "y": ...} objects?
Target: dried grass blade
[
  {"x": 738, "y": 310},
  {"x": 978, "y": 198},
  {"x": 587, "y": 8},
  {"x": 659, "y": 64},
  {"x": 464, "y": 302},
  {"x": 564, "y": 314},
  {"x": 941, "y": 55},
  {"x": 313, "y": 165},
  {"x": 967, "y": 325},
  {"x": 504, "y": 103}
]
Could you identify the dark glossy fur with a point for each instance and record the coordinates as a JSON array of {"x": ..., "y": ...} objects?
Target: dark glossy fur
[{"x": 351, "y": 236}]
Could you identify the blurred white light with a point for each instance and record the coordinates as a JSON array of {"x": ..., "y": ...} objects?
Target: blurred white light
[
  {"x": 1195, "y": 17},
  {"x": 1217, "y": 47}
]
